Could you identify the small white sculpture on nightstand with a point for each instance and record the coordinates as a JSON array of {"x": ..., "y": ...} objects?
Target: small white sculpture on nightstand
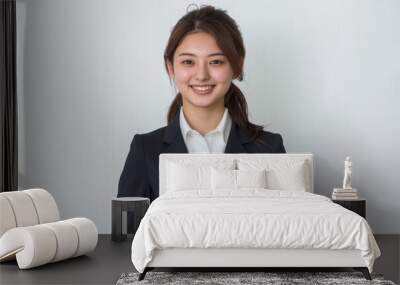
[{"x": 347, "y": 174}]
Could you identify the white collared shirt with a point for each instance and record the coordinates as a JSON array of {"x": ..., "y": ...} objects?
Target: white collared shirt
[{"x": 212, "y": 142}]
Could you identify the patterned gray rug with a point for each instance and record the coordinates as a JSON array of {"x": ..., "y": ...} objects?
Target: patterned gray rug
[{"x": 269, "y": 278}]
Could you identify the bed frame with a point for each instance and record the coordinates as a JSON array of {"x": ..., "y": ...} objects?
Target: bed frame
[{"x": 248, "y": 259}]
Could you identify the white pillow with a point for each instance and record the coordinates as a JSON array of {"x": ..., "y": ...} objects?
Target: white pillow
[
  {"x": 237, "y": 179},
  {"x": 223, "y": 179},
  {"x": 288, "y": 179},
  {"x": 281, "y": 174},
  {"x": 189, "y": 175},
  {"x": 251, "y": 178}
]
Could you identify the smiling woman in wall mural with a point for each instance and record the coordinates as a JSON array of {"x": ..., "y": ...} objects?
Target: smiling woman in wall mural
[{"x": 204, "y": 54}]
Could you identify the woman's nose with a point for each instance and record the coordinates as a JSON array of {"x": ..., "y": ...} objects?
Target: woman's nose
[{"x": 202, "y": 73}]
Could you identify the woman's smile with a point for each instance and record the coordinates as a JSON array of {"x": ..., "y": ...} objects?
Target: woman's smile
[{"x": 202, "y": 89}]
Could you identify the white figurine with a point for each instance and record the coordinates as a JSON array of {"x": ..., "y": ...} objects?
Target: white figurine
[{"x": 347, "y": 174}]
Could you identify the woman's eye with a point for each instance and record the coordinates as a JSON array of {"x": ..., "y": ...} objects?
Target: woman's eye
[
  {"x": 187, "y": 62},
  {"x": 217, "y": 62},
  {"x": 213, "y": 62}
]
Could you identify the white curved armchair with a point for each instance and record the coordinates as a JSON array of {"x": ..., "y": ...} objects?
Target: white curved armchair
[{"x": 31, "y": 230}]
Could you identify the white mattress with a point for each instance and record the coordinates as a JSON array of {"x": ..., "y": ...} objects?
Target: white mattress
[{"x": 252, "y": 218}]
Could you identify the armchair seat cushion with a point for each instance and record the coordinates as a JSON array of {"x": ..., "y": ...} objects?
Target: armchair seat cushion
[
  {"x": 45, "y": 243},
  {"x": 32, "y": 233}
]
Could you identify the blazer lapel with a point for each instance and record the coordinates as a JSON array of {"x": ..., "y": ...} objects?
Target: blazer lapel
[
  {"x": 236, "y": 140},
  {"x": 173, "y": 140}
]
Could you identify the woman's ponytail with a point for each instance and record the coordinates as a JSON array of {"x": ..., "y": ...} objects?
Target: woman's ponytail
[
  {"x": 237, "y": 107},
  {"x": 174, "y": 107}
]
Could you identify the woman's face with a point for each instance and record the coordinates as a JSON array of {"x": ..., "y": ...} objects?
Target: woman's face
[{"x": 201, "y": 71}]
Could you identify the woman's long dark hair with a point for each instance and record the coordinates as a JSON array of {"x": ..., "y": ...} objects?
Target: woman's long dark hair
[{"x": 224, "y": 29}]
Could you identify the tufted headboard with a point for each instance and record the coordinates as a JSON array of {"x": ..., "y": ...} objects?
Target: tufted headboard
[{"x": 239, "y": 160}]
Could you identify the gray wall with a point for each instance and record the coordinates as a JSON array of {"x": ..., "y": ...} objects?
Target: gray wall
[{"x": 325, "y": 74}]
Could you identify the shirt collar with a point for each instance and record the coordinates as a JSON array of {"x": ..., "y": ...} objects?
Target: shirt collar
[{"x": 224, "y": 126}]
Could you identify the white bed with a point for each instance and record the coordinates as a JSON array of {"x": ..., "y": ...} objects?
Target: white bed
[{"x": 203, "y": 220}]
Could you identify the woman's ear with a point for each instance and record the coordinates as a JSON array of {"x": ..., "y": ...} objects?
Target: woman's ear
[{"x": 170, "y": 69}]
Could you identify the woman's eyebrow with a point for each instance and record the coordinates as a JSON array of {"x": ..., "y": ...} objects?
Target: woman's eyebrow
[{"x": 192, "y": 54}]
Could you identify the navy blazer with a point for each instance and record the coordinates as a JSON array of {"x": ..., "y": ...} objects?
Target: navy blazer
[{"x": 140, "y": 177}]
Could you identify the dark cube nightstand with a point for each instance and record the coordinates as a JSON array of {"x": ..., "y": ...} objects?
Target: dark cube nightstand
[
  {"x": 358, "y": 206},
  {"x": 135, "y": 205}
]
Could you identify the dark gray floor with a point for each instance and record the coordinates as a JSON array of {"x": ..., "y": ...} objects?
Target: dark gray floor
[
  {"x": 110, "y": 260},
  {"x": 389, "y": 262},
  {"x": 103, "y": 266}
]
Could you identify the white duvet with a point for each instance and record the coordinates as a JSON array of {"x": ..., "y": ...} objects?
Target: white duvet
[{"x": 251, "y": 218}]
